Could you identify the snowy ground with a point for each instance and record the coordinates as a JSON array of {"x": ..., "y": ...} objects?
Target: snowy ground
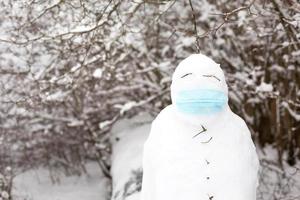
[
  {"x": 127, "y": 138},
  {"x": 36, "y": 185},
  {"x": 275, "y": 182}
]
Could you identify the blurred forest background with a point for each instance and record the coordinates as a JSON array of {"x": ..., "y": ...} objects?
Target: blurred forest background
[{"x": 70, "y": 69}]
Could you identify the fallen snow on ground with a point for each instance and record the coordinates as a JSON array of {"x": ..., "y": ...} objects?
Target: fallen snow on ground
[
  {"x": 37, "y": 185},
  {"x": 277, "y": 182},
  {"x": 128, "y": 137}
]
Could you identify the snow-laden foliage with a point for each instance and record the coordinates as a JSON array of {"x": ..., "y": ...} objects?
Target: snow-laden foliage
[
  {"x": 5, "y": 183},
  {"x": 70, "y": 69}
]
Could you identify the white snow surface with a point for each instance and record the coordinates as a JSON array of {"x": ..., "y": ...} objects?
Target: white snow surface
[
  {"x": 220, "y": 163},
  {"x": 98, "y": 73},
  {"x": 127, "y": 156},
  {"x": 36, "y": 185},
  {"x": 264, "y": 87},
  {"x": 128, "y": 137}
]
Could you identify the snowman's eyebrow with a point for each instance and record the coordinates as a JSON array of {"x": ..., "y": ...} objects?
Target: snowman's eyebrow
[
  {"x": 213, "y": 76},
  {"x": 186, "y": 75}
]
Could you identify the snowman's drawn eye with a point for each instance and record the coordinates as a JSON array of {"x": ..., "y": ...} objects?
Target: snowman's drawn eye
[
  {"x": 212, "y": 76},
  {"x": 186, "y": 75}
]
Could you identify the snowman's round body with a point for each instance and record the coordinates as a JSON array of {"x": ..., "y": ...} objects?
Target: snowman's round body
[{"x": 190, "y": 156}]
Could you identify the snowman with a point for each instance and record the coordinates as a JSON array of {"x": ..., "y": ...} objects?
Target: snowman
[{"x": 198, "y": 149}]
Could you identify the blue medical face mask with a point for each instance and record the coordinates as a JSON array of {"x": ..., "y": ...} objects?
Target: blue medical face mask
[{"x": 201, "y": 101}]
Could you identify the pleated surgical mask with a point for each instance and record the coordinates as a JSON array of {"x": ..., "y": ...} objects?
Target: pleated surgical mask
[{"x": 200, "y": 101}]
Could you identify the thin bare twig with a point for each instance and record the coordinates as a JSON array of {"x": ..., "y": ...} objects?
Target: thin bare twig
[
  {"x": 195, "y": 26},
  {"x": 226, "y": 19}
]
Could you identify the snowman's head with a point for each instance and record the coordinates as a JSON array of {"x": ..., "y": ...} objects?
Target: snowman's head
[{"x": 199, "y": 87}]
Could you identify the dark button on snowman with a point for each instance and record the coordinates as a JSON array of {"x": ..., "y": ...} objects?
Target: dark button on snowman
[{"x": 198, "y": 149}]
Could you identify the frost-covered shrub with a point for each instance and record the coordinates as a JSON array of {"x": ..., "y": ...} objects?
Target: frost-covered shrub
[{"x": 5, "y": 184}]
